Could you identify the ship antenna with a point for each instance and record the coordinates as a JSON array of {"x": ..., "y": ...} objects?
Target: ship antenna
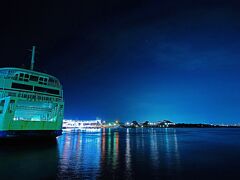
[{"x": 33, "y": 56}]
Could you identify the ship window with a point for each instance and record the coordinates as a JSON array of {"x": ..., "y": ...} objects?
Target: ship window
[
  {"x": 11, "y": 106},
  {"x": 22, "y": 86},
  {"x": 46, "y": 90},
  {"x": 1, "y": 105},
  {"x": 26, "y": 77},
  {"x": 21, "y": 74},
  {"x": 16, "y": 77},
  {"x": 33, "y": 78},
  {"x": 41, "y": 79},
  {"x": 2, "y": 102}
]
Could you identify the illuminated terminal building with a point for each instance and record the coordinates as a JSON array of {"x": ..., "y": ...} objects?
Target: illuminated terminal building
[{"x": 81, "y": 124}]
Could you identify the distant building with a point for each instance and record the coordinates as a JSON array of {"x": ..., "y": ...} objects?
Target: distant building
[{"x": 165, "y": 123}]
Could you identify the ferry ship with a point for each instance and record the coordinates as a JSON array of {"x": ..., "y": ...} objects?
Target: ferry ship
[{"x": 31, "y": 103}]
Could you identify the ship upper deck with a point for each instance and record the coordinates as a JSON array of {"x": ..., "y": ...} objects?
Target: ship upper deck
[{"x": 26, "y": 75}]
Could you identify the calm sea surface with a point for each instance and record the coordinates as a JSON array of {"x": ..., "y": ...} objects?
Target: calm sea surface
[{"x": 127, "y": 154}]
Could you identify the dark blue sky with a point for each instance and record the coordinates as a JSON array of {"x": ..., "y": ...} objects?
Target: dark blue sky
[{"x": 133, "y": 60}]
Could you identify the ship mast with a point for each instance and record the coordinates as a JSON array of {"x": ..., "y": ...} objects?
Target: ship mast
[{"x": 33, "y": 56}]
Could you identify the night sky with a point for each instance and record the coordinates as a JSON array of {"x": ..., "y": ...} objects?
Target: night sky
[{"x": 132, "y": 60}]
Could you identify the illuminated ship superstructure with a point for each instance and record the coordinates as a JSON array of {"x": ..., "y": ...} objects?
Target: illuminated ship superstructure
[{"x": 31, "y": 103}]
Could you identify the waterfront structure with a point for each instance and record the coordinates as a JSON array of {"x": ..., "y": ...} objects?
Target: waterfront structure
[
  {"x": 31, "y": 103},
  {"x": 81, "y": 124}
]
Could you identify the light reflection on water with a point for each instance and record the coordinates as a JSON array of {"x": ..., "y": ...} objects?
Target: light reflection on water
[
  {"x": 153, "y": 153},
  {"x": 79, "y": 155},
  {"x": 126, "y": 154},
  {"x": 113, "y": 152}
]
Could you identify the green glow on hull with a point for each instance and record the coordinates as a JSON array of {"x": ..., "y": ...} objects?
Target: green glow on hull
[{"x": 35, "y": 105}]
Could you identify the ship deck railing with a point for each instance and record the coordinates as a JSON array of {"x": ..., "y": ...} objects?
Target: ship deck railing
[{"x": 30, "y": 96}]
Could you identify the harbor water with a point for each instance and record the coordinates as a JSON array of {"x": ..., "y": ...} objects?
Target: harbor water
[{"x": 141, "y": 153}]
